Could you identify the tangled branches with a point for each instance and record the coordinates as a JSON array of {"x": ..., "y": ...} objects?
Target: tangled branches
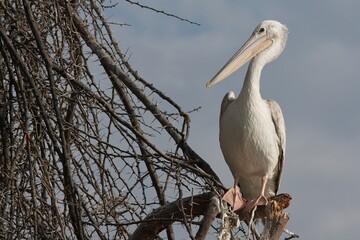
[{"x": 88, "y": 148}]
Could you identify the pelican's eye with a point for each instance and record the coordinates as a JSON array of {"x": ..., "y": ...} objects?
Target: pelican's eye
[{"x": 261, "y": 30}]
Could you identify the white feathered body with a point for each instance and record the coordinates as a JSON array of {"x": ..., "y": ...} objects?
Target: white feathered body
[{"x": 250, "y": 144}]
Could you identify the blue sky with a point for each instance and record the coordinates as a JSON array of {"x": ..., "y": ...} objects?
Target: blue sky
[{"x": 316, "y": 82}]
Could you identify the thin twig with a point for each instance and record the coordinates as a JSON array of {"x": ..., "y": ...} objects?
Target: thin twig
[{"x": 162, "y": 12}]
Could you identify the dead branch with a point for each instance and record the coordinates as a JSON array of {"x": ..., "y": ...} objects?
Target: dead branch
[
  {"x": 160, "y": 218},
  {"x": 162, "y": 12}
]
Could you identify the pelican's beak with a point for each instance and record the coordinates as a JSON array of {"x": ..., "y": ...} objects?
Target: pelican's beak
[{"x": 253, "y": 46}]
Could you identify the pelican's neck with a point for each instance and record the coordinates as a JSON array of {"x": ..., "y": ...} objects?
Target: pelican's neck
[{"x": 251, "y": 86}]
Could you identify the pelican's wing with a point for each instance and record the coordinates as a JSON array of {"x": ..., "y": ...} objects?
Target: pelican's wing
[
  {"x": 279, "y": 124},
  {"x": 228, "y": 98}
]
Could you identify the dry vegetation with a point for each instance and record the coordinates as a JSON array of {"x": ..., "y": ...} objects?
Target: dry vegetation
[{"x": 89, "y": 149}]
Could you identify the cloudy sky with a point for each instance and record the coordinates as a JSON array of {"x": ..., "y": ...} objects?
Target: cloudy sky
[{"x": 316, "y": 82}]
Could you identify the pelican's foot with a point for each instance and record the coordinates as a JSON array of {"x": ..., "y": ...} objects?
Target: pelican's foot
[
  {"x": 260, "y": 201},
  {"x": 233, "y": 197}
]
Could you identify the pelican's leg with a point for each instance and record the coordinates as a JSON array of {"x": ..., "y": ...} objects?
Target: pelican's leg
[
  {"x": 233, "y": 197},
  {"x": 261, "y": 200}
]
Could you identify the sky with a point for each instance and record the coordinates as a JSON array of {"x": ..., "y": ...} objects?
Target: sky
[{"x": 315, "y": 81}]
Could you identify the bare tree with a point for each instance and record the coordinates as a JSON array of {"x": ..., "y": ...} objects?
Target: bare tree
[{"x": 89, "y": 149}]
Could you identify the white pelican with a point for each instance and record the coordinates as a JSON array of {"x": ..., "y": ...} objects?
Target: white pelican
[{"x": 252, "y": 130}]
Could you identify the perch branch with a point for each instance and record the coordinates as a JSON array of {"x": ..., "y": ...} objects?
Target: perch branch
[{"x": 165, "y": 215}]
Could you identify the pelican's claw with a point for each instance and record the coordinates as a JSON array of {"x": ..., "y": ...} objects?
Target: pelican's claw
[
  {"x": 260, "y": 201},
  {"x": 233, "y": 197}
]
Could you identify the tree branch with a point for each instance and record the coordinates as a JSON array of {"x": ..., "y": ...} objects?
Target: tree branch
[
  {"x": 161, "y": 217},
  {"x": 111, "y": 66},
  {"x": 162, "y": 12},
  {"x": 212, "y": 211}
]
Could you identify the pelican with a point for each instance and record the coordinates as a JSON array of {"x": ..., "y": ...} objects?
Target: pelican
[{"x": 252, "y": 130}]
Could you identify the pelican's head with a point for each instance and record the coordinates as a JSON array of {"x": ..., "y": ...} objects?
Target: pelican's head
[{"x": 266, "y": 44}]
